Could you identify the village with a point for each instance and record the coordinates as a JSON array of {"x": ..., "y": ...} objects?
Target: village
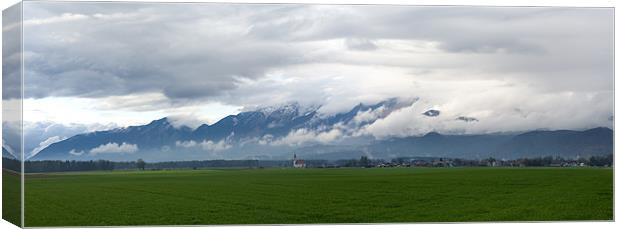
[{"x": 548, "y": 161}]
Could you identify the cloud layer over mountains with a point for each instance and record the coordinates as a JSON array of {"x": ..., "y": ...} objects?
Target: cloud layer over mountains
[{"x": 271, "y": 133}]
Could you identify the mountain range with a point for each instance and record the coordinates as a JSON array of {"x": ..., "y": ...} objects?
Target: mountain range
[{"x": 278, "y": 132}]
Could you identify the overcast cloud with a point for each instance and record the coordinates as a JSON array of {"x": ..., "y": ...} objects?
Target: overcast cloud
[{"x": 510, "y": 68}]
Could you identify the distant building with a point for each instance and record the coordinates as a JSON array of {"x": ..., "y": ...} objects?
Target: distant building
[
  {"x": 298, "y": 163},
  {"x": 442, "y": 163}
]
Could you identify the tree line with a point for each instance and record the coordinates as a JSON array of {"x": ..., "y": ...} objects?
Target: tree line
[
  {"x": 547, "y": 161},
  {"x": 103, "y": 165},
  {"x": 363, "y": 161}
]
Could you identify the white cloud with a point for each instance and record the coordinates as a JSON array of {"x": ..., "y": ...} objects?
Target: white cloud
[
  {"x": 188, "y": 120},
  {"x": 136, "y": 102},
  {"x": 218, "y": 146},
  {"x": 115, "y": 148},
  {"x": 266, "y": 139},
  {"x": 329, "y": 136},
  {"x": 205, "y": 145},
  {"x": 369, "y": 115},
  {"x": 76, "y": 153},
  {"x": 186, "y": 144},
  {"x": 66, "y": 17},
  {"x": 304, "y": 136}
]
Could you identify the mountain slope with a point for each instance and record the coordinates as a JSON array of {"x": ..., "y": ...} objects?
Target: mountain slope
[
  {"x": 7, "y": 154},
  {"x": 565, "y": 143},
  {"x": 148, "y": 137}
]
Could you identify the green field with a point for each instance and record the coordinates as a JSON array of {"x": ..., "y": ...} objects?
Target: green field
[
  {"x": 302, "y": 196},
  {"x": 11, "y": 198}
]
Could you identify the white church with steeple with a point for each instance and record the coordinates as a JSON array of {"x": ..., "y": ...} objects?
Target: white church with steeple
[{"x": 298, "y": 163}]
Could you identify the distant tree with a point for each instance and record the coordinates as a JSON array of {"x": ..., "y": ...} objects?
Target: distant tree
[
  {"x": 582, "y": 160},
  {"x": 351, "y": 163},
  {"x": 491, "y": 161},
  {"x": 601, "y": 160},
  {"x": 364, "y": 162},
  {"x": 140, "y": 164}
]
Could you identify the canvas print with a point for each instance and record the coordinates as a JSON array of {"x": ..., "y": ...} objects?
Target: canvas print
[{"x": 121, "y": 114}]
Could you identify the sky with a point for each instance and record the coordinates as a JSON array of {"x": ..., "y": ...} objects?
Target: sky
[{"x": 95, "y": 66}]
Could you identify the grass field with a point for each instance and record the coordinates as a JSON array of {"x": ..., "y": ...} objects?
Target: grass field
[
  {"x": 301, "y": 196},
  {"x": 11, "y": 198}
]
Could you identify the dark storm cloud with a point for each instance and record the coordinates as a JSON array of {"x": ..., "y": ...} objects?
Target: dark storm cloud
[{"x": 184, "y": 54}]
